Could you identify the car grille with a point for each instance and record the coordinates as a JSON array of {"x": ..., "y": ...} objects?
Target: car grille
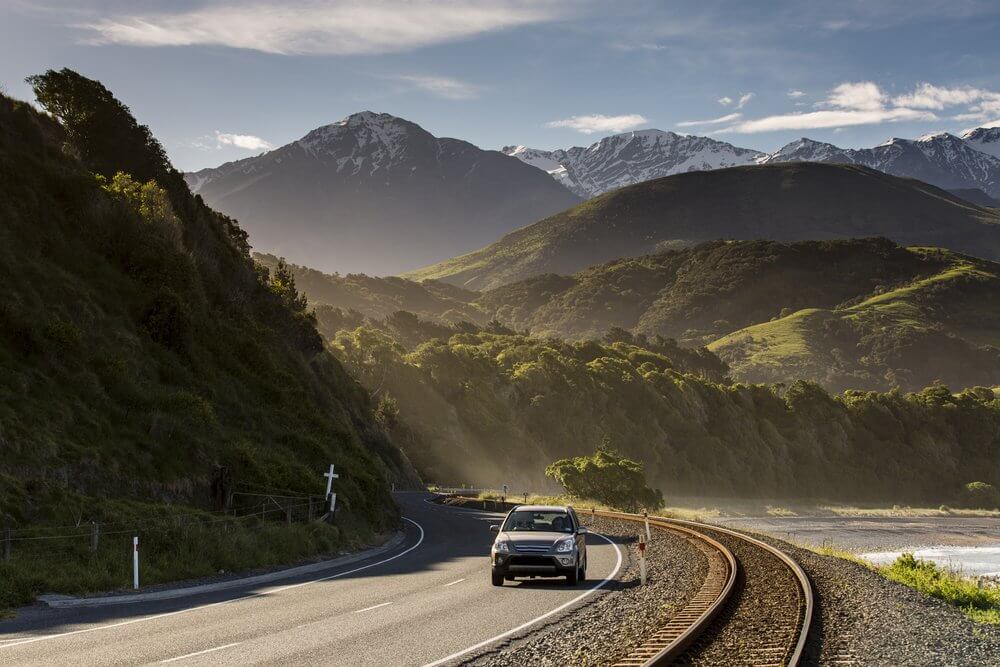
[
  {"x": 532, "y": 548},
  {"x": 531, "y": 560}
]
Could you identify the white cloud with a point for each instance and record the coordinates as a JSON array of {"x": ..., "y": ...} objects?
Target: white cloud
[
  {"x": 929, "y": 96},
  {"x": 442, "y": 86},
  {"x": 600, "y": 123},
  {"x": 796, "y": 94},
  {"x": 861, "y": 96},
  {"x": 865, "y": 103},
  {"x": 728, "y": 118},
  {"x": 245, "y": 141},
  {"x": 827, "y": 119},
  {"x": 314, "y": 27},
  {"x": 740, "y": 103}
]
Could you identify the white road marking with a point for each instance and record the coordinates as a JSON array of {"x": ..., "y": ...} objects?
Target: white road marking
[
  {"x": 191, "y": 655},
  {"x": 457, "y": 581},
  {"x": 222, "y": 602},
  {"x": 374, "y": 606},
  {"x": 504, "y": 635}
]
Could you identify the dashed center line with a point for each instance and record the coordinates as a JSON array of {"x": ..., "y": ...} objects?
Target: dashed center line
[
  {"x": 384, "y": 604},
  {"x": 196, "y": 653},
  {"x": 457, "y": 581}
]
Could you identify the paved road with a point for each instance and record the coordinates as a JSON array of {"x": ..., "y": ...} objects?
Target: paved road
[{"x": 427, "y": 602}]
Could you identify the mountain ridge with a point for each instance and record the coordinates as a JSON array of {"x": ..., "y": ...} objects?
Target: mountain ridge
[
  {"x": 971, "y": 161},
  {"x": 785, "y": 201},
  {"x": 377, "y": 193}
]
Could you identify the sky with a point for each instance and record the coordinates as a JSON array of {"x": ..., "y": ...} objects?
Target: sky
[{"x": 218, "y": 80}]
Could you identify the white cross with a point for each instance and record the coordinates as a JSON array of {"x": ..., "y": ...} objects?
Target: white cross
[{"x": 330, "y": 476}]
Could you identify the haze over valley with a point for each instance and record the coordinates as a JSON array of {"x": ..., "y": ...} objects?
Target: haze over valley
[{"x": 499, "y": 333}]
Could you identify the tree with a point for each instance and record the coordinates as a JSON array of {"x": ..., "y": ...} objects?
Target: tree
[
  {"x": 282, "y": 285},
  {"x": 608, "y": 478},
  {"x": 101, "y": 128}
]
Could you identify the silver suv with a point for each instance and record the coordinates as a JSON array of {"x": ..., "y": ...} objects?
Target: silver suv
[{"x": 539, "y": 541}]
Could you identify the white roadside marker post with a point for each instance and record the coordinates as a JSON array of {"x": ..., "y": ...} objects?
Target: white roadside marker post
[
  {"x": 645, "y": 517},
  {"x": 135, "y": 563},
  {"x": 330, "y": 495},
  {"x": 642, "y": 559}
]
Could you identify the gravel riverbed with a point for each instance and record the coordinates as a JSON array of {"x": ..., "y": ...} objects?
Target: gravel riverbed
[{"x": 609, "y": 624}]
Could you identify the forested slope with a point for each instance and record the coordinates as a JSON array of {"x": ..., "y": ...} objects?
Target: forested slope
[{"x": 143, "y": 356}]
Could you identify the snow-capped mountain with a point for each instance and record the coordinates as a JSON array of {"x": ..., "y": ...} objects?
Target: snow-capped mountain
[
  {"x": 940, "y": 159},
  {"x": 807, "y": 150},
  {"x": 632, "y": 157},
  {"x": 984, "y": 139},
  {"x": 379, "y": 194}
]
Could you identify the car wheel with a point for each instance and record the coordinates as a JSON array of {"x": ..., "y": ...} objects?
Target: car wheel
[
  {"x": 497, "y": 579},
  {"x": 572, "y": 577},
  {"x": 581, "y": 575}
]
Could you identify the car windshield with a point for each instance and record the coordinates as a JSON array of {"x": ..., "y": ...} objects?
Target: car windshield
[{"x": 549, "y": 522}]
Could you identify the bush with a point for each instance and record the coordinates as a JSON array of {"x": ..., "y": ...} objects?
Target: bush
[
  {"x": 167, "y": 321},
  {"x": 608, "y": 478},
  {"x": 980, "y": 495}
]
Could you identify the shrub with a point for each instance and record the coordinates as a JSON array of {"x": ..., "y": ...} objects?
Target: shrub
[
  {"x": 608, "y": 478},
  {"x": 980, "y": 495},
  {"x": 167, "y": 321}
]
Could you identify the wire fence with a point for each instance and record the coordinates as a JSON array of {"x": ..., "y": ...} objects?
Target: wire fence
[{"x": 105, "y": 547}]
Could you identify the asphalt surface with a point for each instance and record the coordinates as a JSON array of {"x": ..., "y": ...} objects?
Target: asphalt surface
[{"x": 429, "y": 601}]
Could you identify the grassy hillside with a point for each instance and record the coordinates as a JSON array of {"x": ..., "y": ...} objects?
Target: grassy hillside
[
  {"x": 849, "y": 314},
  {"x": 147, "y": 367},
  {"x": 862, "y": 314},
  {"x": 944, "y": 326},
  {"x": 784, "y": 202}
]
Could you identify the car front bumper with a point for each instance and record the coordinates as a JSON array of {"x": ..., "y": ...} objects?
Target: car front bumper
[{"x": 547, "y": 565}]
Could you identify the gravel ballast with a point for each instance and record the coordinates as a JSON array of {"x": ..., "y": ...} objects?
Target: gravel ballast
[
  {"x": 761, "y": 620},
  {"x": 862, "y": 618},
  {"x": 609, "y": 624}
]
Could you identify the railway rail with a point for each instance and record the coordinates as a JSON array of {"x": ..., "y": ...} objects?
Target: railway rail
[{"x": 755, "y": 605}]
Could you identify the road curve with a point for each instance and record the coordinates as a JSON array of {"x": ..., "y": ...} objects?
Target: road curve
[{"x": 429, "y": 601}]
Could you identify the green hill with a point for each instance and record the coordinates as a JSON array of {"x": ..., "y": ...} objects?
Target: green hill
[
  {"x": 862, "y": 313},
  {"x": 378, "y": 298},
  {"x": 944, "y": 326},
  {"x": 149, "y": 369},
  {"x": 783, "y": 202}
]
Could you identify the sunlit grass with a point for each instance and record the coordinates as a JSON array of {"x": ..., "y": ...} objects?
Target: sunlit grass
[{"x": 980, "y": 601}]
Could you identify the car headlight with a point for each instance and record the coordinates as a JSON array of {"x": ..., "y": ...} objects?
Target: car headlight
[
  {"x": 564, "y": 546},
  {"x": 501, "y": 545}
]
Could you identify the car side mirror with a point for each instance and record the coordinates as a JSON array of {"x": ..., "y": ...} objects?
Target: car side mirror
[
  {"x": 494, "y": 528},
  {"x": 582, "y": 531}
]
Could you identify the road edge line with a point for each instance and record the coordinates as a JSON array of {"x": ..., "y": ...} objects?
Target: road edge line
[{"x": 538, "y": 619}]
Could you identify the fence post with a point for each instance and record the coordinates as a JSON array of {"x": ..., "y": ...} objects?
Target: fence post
[
  {"x": 642, "y": 559},
  {"x": 6, "y": 544},
  {"x": 95, "y": 532},
  {"x": 312, "y": 511},
  {"x": 288, "y": 514},
  {"x": 135, "y": 563}
]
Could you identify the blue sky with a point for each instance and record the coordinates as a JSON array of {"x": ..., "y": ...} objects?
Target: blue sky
[{"x": 218, "y": 80}]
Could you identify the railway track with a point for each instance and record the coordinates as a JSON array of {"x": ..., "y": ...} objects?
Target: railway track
[{"x": 754, "y": 608}]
